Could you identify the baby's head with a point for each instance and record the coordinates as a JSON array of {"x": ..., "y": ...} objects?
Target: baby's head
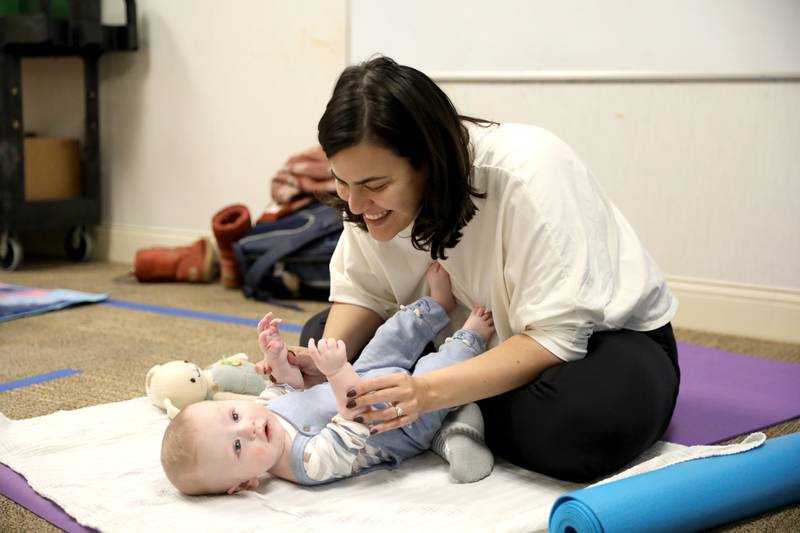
[{"x": 221, "y": 447}]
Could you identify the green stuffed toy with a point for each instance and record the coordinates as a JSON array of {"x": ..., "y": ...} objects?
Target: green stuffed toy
[{"x": 174, "y": 385}]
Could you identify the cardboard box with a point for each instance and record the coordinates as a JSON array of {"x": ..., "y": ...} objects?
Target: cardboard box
[{"x": 52, "y": 168}]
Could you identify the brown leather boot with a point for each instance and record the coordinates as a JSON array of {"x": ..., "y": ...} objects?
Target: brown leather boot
[
  {"x": 230, "y": 224},
  {"x": 194, "y": 263}
]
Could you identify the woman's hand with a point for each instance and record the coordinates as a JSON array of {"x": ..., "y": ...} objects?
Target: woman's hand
[
  {"x": 407, "y": 396},
  {"x": 297, "y": 356}
]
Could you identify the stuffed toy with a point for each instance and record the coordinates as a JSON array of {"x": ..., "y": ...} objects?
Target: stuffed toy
[{"x": 174, "y": 385}]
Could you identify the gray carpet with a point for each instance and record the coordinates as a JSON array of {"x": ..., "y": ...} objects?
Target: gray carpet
[{"x": 115, "y": 347}]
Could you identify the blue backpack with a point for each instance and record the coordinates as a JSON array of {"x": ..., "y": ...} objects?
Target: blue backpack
[{"x": 290, "y": 257}]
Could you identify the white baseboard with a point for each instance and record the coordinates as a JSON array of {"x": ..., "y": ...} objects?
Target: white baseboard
[
  {"x": 705, "y": 305},
  {"x": 768, "y": 313},
  {"x": 119, "y": 242}
]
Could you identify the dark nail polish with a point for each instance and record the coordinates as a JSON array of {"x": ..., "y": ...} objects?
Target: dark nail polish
[
  {"x": 373, "y": 431},
  {"x": 351, "y": 393},
  {"x": 351, "y": 404},
  {"x": 359, "y": 419}
]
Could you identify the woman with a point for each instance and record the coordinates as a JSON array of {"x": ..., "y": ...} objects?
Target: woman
[{"x": 582, "y": 376}]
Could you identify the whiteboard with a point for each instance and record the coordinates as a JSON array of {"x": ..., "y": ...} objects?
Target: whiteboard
[{"x": 581, "y": 38}]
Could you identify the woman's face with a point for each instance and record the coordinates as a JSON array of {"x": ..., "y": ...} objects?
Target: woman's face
[{"x": 380, "y": 186}]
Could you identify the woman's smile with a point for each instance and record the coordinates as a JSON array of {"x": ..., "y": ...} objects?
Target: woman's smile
[
  {"x": 376, "y": 218},
  {"x": 380, "y": 186}
]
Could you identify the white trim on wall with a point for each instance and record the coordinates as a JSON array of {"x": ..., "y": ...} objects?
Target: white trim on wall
[
  {"x": 771, "y": 313},
  {"x": 590, "y": 76},
  {"x": 119, "y": 242},
  {"x": 706, "y": 305}
]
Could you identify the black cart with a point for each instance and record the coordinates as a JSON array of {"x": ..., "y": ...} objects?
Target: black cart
[{"x": 55, "y": 28}]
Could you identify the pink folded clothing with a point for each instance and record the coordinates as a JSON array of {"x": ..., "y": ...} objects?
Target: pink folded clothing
[{"x": 302, "y": 175}]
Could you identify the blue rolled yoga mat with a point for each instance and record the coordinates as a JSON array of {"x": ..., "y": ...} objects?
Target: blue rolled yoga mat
[{"x": 688, "y": 496}]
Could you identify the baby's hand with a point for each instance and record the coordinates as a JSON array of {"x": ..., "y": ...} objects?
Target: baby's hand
[
  {"x": 329, "y": 355},
  {"x": 269, "y": 322},
  {"x": 275, "y": 353}
]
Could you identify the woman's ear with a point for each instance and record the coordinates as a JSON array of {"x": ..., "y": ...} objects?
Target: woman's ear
[{"x": 250, "y": 484}]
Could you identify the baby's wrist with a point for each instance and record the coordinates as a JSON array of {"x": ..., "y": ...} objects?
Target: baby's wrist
[
  {"x": 281, "y": 364},
  {"x": 329, "y": 375}
]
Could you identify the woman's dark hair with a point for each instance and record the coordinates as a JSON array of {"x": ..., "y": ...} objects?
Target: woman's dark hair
[{"x": 403, "y": 110}]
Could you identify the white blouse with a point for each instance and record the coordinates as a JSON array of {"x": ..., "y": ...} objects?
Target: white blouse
[{"x": 547, "y": 252}]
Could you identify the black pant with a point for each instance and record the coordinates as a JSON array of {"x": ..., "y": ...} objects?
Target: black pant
[{"x": 585, "y": 419}]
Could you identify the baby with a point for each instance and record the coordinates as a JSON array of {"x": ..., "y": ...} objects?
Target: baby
[{"x": 309, "y": 436}]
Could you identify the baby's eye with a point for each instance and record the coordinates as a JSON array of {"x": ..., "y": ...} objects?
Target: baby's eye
[
  {"x": 237, "y": 446},
  {"x": 235, "y": 416}
]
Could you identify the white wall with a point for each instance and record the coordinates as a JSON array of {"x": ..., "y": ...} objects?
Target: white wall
[
  {"x": 708, "y": 174},
  {"x": 690, "y": 119},
  {"x": 707, "y": 170},
  {"x": 678, "y": 37},
  {"x": 216, "y": 98}
]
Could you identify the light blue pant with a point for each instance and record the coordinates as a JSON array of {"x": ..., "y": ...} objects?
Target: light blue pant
[{"x": 395, "y": 348}]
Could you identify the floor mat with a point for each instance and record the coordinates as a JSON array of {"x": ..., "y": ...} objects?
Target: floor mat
[
  {"x": 101, "y": 465},
  {"x": 689, "y": 496},
  {"x": 725, "y": 394},
  {"x": 18, "y": 301}
]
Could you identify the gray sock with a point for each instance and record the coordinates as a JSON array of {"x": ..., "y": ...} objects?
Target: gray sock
[{"x": 460, "y": 443}]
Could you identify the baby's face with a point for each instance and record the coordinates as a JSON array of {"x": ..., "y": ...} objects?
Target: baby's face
[{"x": 238, "y": 441}]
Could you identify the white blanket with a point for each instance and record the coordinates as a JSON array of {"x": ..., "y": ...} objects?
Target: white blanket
[{"x": 101, "y": 465}]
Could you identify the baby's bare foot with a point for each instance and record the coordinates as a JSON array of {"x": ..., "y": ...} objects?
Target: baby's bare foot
[
  {"x": 439, "y": 283},
  {"x": 480, "y": 321}
]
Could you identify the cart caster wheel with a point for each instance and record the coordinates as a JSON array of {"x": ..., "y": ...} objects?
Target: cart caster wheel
[
  {"x": 78, "y": 245},
  {"x": 10, "y": 254}
]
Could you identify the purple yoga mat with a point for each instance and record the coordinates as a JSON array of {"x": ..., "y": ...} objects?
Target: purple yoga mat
[
  {"x": 14, "y": 487},
  {"x": 726, "y": 394}
]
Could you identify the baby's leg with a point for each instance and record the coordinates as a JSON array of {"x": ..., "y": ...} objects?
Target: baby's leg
[
  {"x": 423, "y": 429},
  {"x": 465, "y": 343},
  {"x": 461, "y": 442},
  {"x": 480, "y": 322},
  {"x": 439, "y": 285},
  {"x": 418, "y": 436},
  {"x": 400, "y": 340},
  {"x": 275, "y": 353},
  {"x": 330, "y": 356},
  {"x": 460, "y": 439}
]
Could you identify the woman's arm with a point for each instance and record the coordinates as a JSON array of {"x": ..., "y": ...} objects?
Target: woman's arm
[
  {"x": 515, "y": 362},
  {"x": 511, "y": 364}
]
